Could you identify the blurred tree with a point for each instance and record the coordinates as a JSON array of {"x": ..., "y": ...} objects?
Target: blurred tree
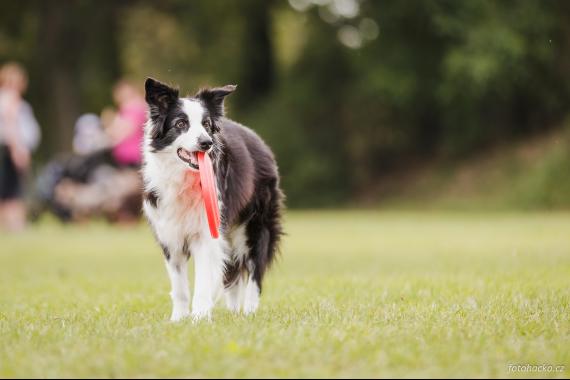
[
  {"x": 258, "y": 73},
  {"x": 441, "y": 78}
]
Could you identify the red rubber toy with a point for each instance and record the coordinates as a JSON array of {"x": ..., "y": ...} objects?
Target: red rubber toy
[{"x": 209, "y": 193}]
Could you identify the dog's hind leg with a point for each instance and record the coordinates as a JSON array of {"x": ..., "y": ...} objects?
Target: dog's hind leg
[
  {"x": 263, "y": 235},
  {"x": 234, "y": 280},
  {"x": 234, "y": 295},
  {"x": 259, "y": 259},
  {"x": 209, "y": 259},
  {"x": 251, "y": 297},
  {"x": 177, "y": 267}
]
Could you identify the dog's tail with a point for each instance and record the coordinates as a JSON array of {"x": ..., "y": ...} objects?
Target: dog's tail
[{"x": 267, "y": 221}]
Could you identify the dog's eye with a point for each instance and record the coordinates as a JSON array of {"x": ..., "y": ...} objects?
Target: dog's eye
[
  {"x": 180, "y": 124},
  {"x": 207, "y": 123}
]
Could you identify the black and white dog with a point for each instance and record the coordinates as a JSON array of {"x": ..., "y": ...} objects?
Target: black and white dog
[{"x": 249, "y": 197}]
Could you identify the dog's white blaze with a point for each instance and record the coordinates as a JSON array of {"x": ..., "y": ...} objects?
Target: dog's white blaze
[
  {"x": 195, "y": 113},
  {"x": 194, "y": 110}
]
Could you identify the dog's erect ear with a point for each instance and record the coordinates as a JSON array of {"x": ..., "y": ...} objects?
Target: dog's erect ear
[
  {"x": 213, "y": 98},
  {"x": 159, "y": 96}
]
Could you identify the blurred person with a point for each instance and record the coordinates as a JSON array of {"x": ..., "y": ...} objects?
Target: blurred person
[
  {"x": 125, "y": 129},
  {"x": 89, "y": 136},
  {"x": 19, "y": 136},
  {"x": 114, "y": 138}
]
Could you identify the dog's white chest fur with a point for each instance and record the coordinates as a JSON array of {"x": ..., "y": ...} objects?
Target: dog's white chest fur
[
  {"x": 177, "y": 223},
  {"x": 179, "y": 213}
]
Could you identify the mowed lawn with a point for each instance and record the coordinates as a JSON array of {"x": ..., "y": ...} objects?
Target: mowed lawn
[{"x": 355, "y": 294}]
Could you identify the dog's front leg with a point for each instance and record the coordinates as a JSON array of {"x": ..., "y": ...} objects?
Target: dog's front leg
[
  {"x": 177, "y": 267},
  {"x": 209, "y": 266}
]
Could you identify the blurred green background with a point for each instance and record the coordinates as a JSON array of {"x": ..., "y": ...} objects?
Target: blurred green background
[{"x": 366, "y": 103}]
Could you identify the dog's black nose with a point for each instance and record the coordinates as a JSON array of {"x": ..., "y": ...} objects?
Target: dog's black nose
[{"x": 205, "y": 142}]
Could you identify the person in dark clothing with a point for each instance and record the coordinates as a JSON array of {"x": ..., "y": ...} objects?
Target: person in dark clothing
[{"x": 19, "y": 136}]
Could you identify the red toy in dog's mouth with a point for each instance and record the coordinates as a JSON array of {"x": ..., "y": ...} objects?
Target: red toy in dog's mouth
[
  {"x": 209, "y": 193},
  {"x": 201, "y": 162},
  {"x": 191, "y": 158}
]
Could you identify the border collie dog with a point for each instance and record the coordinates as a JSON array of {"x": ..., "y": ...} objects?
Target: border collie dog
[{"x": 249, "y": 198}]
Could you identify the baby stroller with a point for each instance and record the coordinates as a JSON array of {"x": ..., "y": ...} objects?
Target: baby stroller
[{"x": 89, "y": 183}]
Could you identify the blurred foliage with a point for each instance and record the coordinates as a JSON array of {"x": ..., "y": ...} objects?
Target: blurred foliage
[
  {"x": 343, "y": 90},
  {"x": 546, "y": 184}
]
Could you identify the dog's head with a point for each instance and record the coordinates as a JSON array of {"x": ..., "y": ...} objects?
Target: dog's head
[{"x": 184, "y": 126}]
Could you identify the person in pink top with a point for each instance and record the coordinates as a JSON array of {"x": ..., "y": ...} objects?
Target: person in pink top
[{"x": 126, "y": 129}]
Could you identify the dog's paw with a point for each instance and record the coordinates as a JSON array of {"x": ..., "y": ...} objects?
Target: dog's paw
[
  {"x": 233, "y": 305},
  {"x": 202, "y": 315},
  {"x": 179, "y": 318},
  {"x": 179, "y": 315},
  {"x": 249, "y": 309},
  {"x": 250, "y": 305}
]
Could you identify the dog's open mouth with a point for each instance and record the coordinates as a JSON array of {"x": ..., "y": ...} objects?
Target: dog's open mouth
[{"x": 189, "y": 157}]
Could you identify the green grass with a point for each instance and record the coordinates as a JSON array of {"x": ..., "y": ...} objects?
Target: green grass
[{"x": 364, "y": 294}]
